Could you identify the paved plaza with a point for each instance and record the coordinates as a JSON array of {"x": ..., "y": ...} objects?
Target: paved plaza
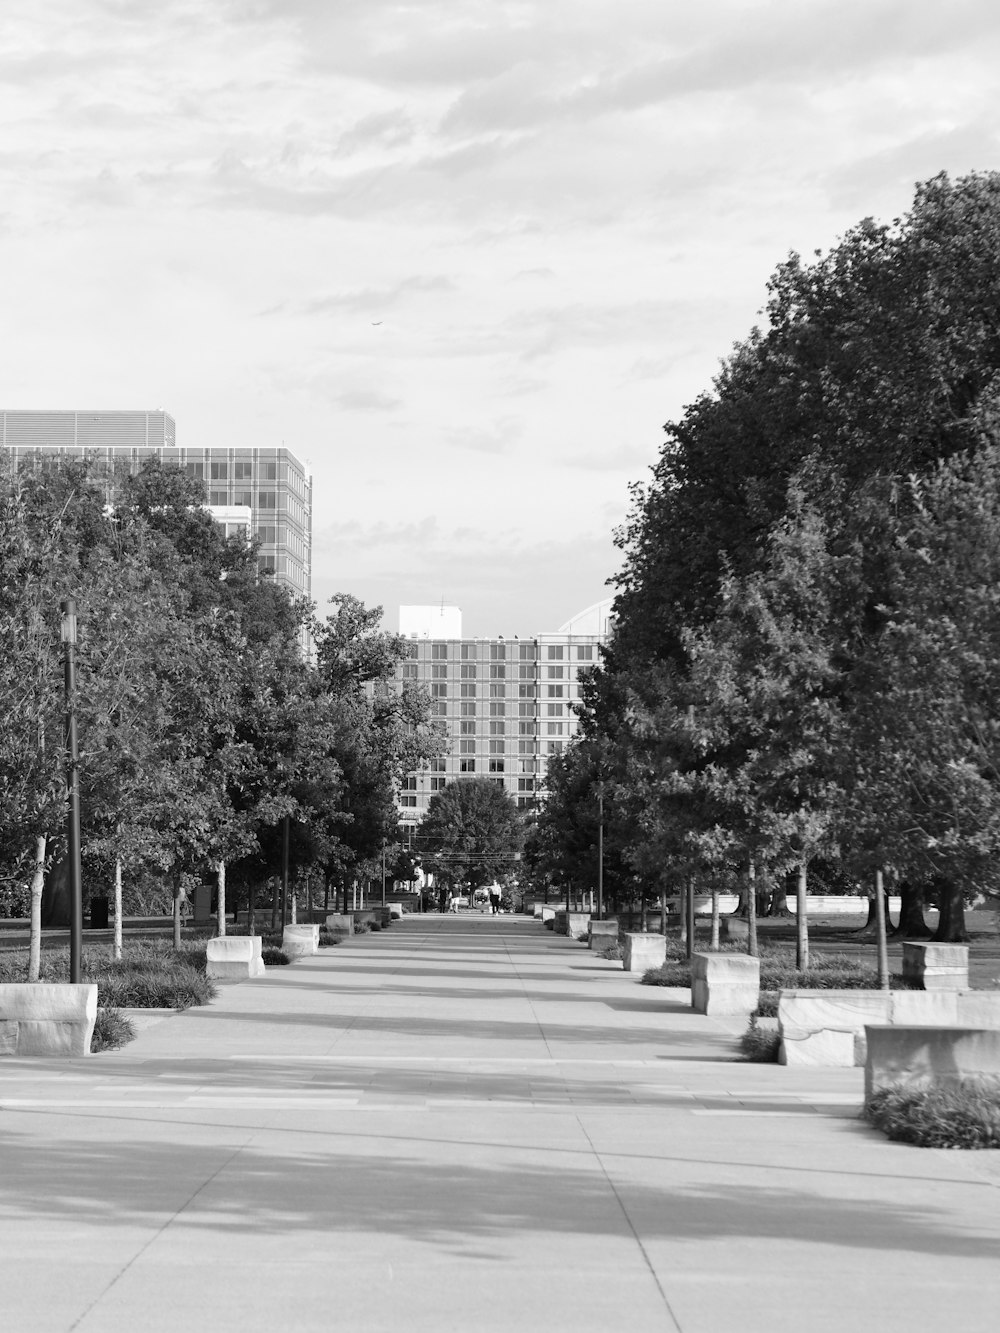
[{"x": 467, "y": 1123}]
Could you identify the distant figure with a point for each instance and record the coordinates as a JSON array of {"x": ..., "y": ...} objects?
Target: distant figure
[
  {"x": 453, "y": 902},
  {"x": 495, "y": 901}
]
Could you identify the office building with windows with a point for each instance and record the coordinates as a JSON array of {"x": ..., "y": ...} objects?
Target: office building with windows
[
  {"x": 266, "y": 492},
  {"x": 506, "y": 702}
]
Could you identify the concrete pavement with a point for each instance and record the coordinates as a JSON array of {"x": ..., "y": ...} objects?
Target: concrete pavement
[{"x": 469, "y": 1123}]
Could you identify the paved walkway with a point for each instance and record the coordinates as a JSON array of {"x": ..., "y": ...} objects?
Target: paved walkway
[{"x": 470, "y": 1124}]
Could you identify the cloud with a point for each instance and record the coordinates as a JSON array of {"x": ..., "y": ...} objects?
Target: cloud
[
  {"x": 366, "y": 400},
  {"x": 376, "y": 299}
]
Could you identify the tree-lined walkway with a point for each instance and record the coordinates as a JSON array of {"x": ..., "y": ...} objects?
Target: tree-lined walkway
[{"x": 470, "y": 1123}]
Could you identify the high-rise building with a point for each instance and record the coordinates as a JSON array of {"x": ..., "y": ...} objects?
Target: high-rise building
[
  {"x": 264, "y": 491},
  {"x": 505, "y": 701}
]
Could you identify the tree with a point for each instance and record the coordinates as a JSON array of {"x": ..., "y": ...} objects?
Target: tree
[{"x": 472, "y": 833}]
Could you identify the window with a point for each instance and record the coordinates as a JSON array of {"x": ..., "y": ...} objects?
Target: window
[
  {"x": 438, "y": 784},
  {"x": 467, "y": 728},
  {"x": 555, "y": 673},
  {"x": 497, "y": 691},
  {"x": 468, "y": 710},
  {"x": 219, "y": 472},
  {"x": 526, "y": 652},
  {"x": 497, "y": 747},
  {"x": 498, "y": 651},
  {"x": 218, "y": 498},
  {"x": 412, "y": 651},
  {"x": 529, "y": 765},
  {"x": 195, "y": 470},
  {"x": 468, "y": 691},
  {"x": 585, "y": 652},
  {"x": 467, "y": 766},
  {"x": 467, "y": 746},
  {"x": 439, "y": 652},
  {"x": 526, "y": 784},
  {"x": 526, "y": 710},
  {"x": 525, "y": 802},
  {"x": 526, "y": 747},
  {"x": 468, "y": 650},
  {"x": 437, "y": 765},
  {"x": 267, "y": 533},
  {"x": 498, "y": 709},
  {"x": 553, "y": 710},
  {"x": 243, "y": 498},
  {"x": 526, "y": 672},
  {"x": 499, "y": 782},
  {"x": 554, "y": 691},
  {"x": 497, "y": 728},
  {"x": 555, "y": 747},
  {"x": 439, "y": 708},
  {"x": 269, "y": 471},
  {"x": 267, "y": 500},
  {"x": 468, "y": 671},
  {"x": 554, "y": 728},
  {"x": 409, "y": 801},
  {"x": 439, "y": 670},
  {"x": 525, "y": 691},
  {"x": 243, "y": 469},
  {"x": 555, "y": 652},
  {"x": 439, "y": 690},
  {"x": 498, "y": 672},
  {"x": 526, "y": 728},
  {"x": 410, "y": 782},
  {"x": 496, "y": 765},
  {"x": 409, "y": 670}
]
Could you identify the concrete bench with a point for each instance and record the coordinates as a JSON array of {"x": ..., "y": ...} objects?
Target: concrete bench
[
  {"x": 602, "y": 934},
  {"x": 827, "y": 1027},
  {"x": 47, "y": 1018},
  {"x": 300, "y": 941},
  {"x": 643, "y": 951},
  {"x": 396, "y": 911},
  {"x": 724, "y": 983},
  {"x": 922, "y": 1057},
  {"x": 576, "y": 924},
  {"x": 234, "y": 958},
  {"x": 547, "y": 914},
  {"x": 936, "y": 966},
  {"x": 734, "y": 928},
  {"x": 340, "y": 924}
]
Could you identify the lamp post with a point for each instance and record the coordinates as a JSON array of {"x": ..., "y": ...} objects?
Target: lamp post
[
  {"x": 600, "y": 853},
  {"x": 68, "y": 635},
  {"x": 383, "y": 872}
]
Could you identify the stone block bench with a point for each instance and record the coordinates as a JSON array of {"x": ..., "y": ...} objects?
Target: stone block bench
[
  {"x": 724, "y": 983},
  {"x": 576, "y": 924},
  {"x": 300, "y": 941},
  {"x": 602, "y": 934},
  {"x": 643, "y": 951},
  {"x": 234, "y": 958},
  {"x": 47, "y": 1018},
  {"x": 921, "y": 1057},
  {"x": 936, "y": 966},
  {"x": 396, "y": 911},
  {"x": 340, "y": 924},
  {"x": 827, "y": 1027}
]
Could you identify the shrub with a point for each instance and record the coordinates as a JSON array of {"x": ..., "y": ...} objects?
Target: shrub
[
  {"x": 327, "y": 939},
  {"x": 111, "y": 1031},
  {"x": 274, "y": 957},
  {"x": 758, "y": 1044},
  {"x": 149, "y": 976},
  {"x": 962, "y": 1115},
  {"x": 362, "y": 927},
  {"x": 374, "y": 925},
  {"x": 778, "y": 972},
  {"x": 613, "y": 952}
]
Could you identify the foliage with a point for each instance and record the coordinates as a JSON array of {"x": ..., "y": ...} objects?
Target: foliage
[
  {"x": 112, "y": 1031},
  {"x": 472, "y": 833},
  {"x": 274, "y": 957},
  {"x": 961, "y": 1115},
  {"x": 760, "y": 1045}
]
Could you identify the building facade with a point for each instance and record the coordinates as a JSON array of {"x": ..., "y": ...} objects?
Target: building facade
[
  {"x": 506, "y": 703},
  {"x": 266, "y": 492}
]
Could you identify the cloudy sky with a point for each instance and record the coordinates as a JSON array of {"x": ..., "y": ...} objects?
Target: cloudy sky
[{"x": 465, "y": 257}]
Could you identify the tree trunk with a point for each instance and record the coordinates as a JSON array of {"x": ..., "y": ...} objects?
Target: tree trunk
[
  {"x": 752, "y": 949},
  {"x": 178, "y": 898},
  {"x": 35, "y": 935},
  {"x": 951, "y": 922},
  {"x": 778, "y": 905},
  {"x": 220, "y": 906},
  {"x": 251, "y": 905},
  {"x": 275, "y": 902},
  {"x": 883, "y": 949},
  {"x": 663, "y": 911},
  {"x": 326, "y": 896},
  {"x": 801, "y": 921},
  {"x": 912, "y": 925},
  {"x": 714, "y": 941},
  {"x": 118, "y": 909}
]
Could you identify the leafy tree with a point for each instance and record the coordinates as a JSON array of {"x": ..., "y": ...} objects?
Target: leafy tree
[{"x": 472, "y": 833}]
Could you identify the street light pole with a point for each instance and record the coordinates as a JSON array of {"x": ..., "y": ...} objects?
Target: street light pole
[
  {"x": 383, "y": 872},
  {"x": 68, "y": 636},
  {"x": 600, "y": 855}
]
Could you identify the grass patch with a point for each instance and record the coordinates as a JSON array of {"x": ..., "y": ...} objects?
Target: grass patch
[
  {"x": 149, "y": 975},
  {"x": 327, "y": 939},
  {"x": 274, "y": 957},
  {"x": 614, "y": 952},
  {"x": 760, "y": 1045},
  {"x": 778, "y": 972},
  {"x": 112, "y": 1031},
  {"x": 962, "y": 1115}
]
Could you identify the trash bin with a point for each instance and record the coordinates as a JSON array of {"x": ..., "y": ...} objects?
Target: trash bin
[{"x": 99, "y": 910}]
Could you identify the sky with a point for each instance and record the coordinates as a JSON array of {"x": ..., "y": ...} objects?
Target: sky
[{"x": 464, "y": 257}]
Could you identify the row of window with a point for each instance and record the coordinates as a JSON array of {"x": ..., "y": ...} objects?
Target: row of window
[{"x": 525, "y": 652}]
